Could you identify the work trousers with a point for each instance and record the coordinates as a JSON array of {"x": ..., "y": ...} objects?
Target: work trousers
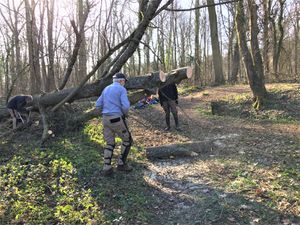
[
  {"x": 170, "y": 106},
  {"x": 115, "y": 126}
]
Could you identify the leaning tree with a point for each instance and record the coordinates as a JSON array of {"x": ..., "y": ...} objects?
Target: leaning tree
[{"x": 47, "y": 103}]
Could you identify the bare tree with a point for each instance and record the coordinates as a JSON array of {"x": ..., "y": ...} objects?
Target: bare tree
[
  {"x": 256, "y": 83},
  {"x": 235, "y": 64},
  {"x": 50, "y": 78},
  {"x": 197, "y": 45},
  {"x": 255, "y": 50},
  {"x": 266, "y": 38},
  {"x": 296, "y": 34},
  {"x": 277, "y": 38},
  {"x": 33, "y": 47},
  {"x": 82, "y": 11},
  {"x": 217, "y": 57},
  {"x": 76, "y": 49}
]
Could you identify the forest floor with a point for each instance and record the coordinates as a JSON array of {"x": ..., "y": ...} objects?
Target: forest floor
[{"x": 249, "y": 175}]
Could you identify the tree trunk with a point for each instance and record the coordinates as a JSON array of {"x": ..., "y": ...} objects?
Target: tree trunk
[
  {"x": 16, "y": 37},
  {"x": 82, "y": 59},
  {"x": 278, "y": 45},
  {"x": 255, "y": 51},
  {"x": 182, "y": 45},
  {"x": 297, "y": 31},
  {"x": 50, "y": 79},
  {"x": 235, "y": 64},
  {"x": 33, "y": 48},
  {"x": 161, "y": 46},
  {"x": 256, "y": 84},
  {"x": 147, "y": 51},
  {"x": 217, "y": 57},
  {"x": 197, "y": 45},
  {"x": 266, "y": 38}
]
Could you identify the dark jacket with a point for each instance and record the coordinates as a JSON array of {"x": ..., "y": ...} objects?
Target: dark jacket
[
  {"x": 17, "y": 103},
  {"x": 168, "y": 92}
]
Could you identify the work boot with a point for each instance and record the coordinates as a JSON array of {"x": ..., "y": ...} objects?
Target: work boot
[
  {"x": 168, "y": 123},
  {"x": 167, "y": 128},
  {"x": 107, "y": 170},
  {"x": 124, "y": 167}
]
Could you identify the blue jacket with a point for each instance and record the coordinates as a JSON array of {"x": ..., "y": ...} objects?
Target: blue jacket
[{"x": 113, "y": 100}]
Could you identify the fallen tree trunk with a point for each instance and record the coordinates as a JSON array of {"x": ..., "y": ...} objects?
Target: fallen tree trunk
[
  {"x": 148, "y": 83},
  {"x": 188, "y": 149}
]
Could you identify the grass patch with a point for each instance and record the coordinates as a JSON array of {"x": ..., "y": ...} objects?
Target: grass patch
[
  {"x": 63, "y": 184},
  {"x": 275, "y": 187},
  {"x": 187, "y": 89},
  {"x": 281, "y": 106},
  {"x": 206, "y": 111}
]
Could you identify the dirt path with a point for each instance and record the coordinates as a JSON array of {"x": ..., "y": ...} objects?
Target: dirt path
[{"x": 200, "y": 189}]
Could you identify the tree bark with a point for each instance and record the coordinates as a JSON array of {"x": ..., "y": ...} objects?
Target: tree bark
[
  {"x": 33, "y": 48},
  {"x": 235, "y": 64},
  {"x": 297, "y": 31},
  {"x": 256, "y": 83},
  {"x": 82, "y": 59},
  {"x": 50, "y": 79},
  {"x": 217, "y": 57},
  {"x": 278, "y": 45},
  {"x": 266, "y": 39},
  {"x": 197, "y": 45},
  {"x": 255, "y": 51}
]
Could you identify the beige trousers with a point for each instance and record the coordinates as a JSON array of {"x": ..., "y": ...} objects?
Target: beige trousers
[{"x": 115, "y": 126}]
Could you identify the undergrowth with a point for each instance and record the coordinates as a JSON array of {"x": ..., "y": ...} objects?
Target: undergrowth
[
  {"x": 63, "y": 184},
  {"x": 281, "y": 105}
]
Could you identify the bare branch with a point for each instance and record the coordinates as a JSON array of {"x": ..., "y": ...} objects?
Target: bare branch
[
  {"x": 200, "y": 7},
  {"x": 154, "y": 53},
  {"x": 76, "y": 48},
  {"x": 99, "y": 63}
]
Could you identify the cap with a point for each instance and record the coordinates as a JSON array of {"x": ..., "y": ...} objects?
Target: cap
[{"x": 119, "y": 76}]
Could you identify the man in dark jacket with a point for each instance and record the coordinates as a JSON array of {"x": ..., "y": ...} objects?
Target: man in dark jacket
[
  {"x": 168, "y": 97},
  {"x": 17, "y": 106}
]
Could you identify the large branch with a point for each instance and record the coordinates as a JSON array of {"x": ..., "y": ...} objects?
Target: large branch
[{"x": 136, "y": 36}]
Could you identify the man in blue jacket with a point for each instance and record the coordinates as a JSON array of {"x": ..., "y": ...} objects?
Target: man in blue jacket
[{"x": 114, "y": 105}]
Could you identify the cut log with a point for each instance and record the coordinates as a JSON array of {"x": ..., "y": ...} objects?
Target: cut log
[{"x": 188, "y": 149}]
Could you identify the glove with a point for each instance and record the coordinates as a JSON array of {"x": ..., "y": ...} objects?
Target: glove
[{"x": 176, "y": 101}]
